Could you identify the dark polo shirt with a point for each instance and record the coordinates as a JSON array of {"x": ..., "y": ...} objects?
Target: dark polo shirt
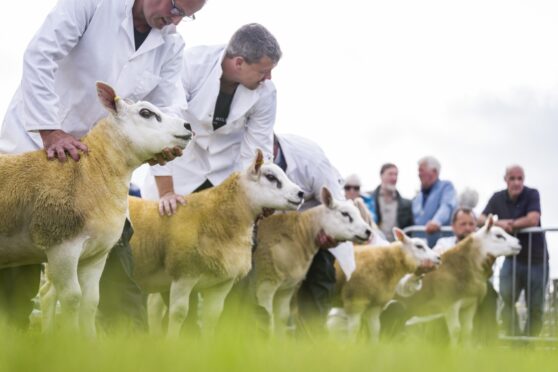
[{"x": 528, "y": 201}]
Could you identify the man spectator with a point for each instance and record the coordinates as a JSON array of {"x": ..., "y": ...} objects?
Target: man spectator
[
  {"x": 436, "y": 200},
  {"x": 134, "y": 46},
  {"x": 231, "y": 108},
  {"x": 518, "y": 207},
  {"x": 391, "y": 210}
]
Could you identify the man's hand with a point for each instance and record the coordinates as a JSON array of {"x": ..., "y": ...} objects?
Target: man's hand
[
  {"x": 432, "y": 227},
  {"x": 166, "y": 155},
  {"x": 507, "y": 225},
  {"x": 57, "y": 142},
  {"x": 168, "y": 204},
  {"x": 325, "y": 241}
]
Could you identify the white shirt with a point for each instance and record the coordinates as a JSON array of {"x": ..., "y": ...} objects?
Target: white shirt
[
  {"x": 310, "y": 169},
  {"x": 81, "y": 42},
  {"x": 214, "y": 155},
  {"x": 443, "y": 244}
]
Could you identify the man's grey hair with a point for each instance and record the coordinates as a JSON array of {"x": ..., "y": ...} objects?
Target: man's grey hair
[
  {"x": 431, "y": 162},
  {"x": 512, "y": 167},
  {"x": 252, "y": 42}
]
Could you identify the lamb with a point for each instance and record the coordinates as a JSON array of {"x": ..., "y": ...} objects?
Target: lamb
[
  {"x": 207, "y": 244},
  {"x": 457, "y": 287},
  {"x": 373, "y": 283},
  {"x": 71, "y": 214},
  {"x": 286, "y": 245}
]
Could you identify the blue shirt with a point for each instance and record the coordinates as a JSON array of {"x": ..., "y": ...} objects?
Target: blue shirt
[
  {"x": 438, "y": 206},
  {"x": 528, "y": 201}
]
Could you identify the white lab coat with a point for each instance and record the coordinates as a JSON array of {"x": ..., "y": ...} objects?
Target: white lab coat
[
  {"x": 214, "y": 155},
  {"x": 81, "y": 42},
  {"x": 310, "y": 169}
]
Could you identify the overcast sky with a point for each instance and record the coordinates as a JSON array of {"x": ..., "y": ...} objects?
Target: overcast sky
[{"x": 474, "y": 83}]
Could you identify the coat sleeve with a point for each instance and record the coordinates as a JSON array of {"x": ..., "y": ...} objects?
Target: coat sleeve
[
  {"x": 169, "y": 94},
  {"x": 54, "y": 40},
  {"x": 323, "y": 173},
  {"x": 448, "y": 202},
  {"x": 259, "y": 129}
]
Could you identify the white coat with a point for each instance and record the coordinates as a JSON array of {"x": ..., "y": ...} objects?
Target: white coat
[
  {"x": 81, "y": 42},
  {"x": 310, "y": 169},
  {"x": 214, "y": 155}
]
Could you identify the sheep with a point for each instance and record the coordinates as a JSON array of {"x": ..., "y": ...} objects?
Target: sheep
[
  {"x": 207, "y": 245},
  {"x": 286, "y": 245},
  {"x": 373, "y": 283},
  {"x": 71, "y": 214},
  {"x": 458, "y": 286}
]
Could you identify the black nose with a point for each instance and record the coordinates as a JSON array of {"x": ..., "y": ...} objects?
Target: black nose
[
  {"x": 188, "y": 126},
  {"x": 300, "y": 194},
  {"x": 368, "y": 233}
]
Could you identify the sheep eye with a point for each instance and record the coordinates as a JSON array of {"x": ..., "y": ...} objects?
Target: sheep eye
[
  {"x": 147, "y": 114},
  {"x": 420, "y": 247},
  {"x": 345, "y": 214},
  {"x": 500, "y": 236},
  {"x": 270, "y": 177}
]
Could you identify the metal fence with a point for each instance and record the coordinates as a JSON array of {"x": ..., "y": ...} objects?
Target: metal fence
[{"x": 525, "y": 281}]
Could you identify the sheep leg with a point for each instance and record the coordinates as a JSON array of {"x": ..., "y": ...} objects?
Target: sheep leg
[
  {"x": 89, "y": 275},
  {"x": 212, "y": 306},
  {"x": 373, "y": 318},
  {"x": 63, "y": 262},
  {"x": 156, "y": 309},
  {"x": 282, "y": 310},
  {"x": 48, "y": 299},
  {"x": 467, "y": 316},
  {"x": 452, "y": 321},
  {"x": 179, "y": 302},
  {"x": 353, "y": 325},
  {"x": 265, "y": 292}
]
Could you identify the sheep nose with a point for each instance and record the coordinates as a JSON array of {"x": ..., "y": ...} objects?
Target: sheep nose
[
  {"x": 300, "y": 194},
  {"x": 188, "y": 126},
  {"x": 368, "y": 233}
]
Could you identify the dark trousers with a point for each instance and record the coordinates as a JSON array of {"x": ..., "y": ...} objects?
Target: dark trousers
[
  {"x": 316, "y": 291},
  {"x": 533, "y": 284},
  {"x": 121, "y": 301}
]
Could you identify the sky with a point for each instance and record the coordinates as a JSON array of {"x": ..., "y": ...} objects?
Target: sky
[{"x": 473, "y": 83}]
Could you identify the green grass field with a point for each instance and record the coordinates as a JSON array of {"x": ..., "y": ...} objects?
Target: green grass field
[{"x": 236, "y": 349}]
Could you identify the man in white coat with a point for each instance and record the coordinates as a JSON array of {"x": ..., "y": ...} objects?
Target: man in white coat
[
  {"x": 131, "y": 44},
  {"x": 231, "y": 108},
  {"x": 306, "y": 164}
]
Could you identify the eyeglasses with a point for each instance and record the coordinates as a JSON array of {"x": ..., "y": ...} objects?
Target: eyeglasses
[
  {"x": 349, "y": 187},
  {"x": 178, "y": 12}
]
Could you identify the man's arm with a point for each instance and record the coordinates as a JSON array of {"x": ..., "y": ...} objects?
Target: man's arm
[{"x": 448, "y": 203}]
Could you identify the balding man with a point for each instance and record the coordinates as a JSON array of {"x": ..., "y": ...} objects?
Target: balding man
[{"x": 519, "y": 207}]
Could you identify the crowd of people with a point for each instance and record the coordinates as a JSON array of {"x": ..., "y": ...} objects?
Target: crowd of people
[{"x": 226, "y": 94}]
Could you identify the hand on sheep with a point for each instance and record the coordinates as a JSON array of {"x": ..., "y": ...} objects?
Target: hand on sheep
[
  {"x": 57, "y": 142},
  {"x": 432, "y": 227},
  {"x": 168, "y": 204},
  {"x": 165, "y": 156}
]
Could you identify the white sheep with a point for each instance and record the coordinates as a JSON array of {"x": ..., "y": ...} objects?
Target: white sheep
[
  {"x": 207, "y": 244},
  {"x": 71, "y": 214}
]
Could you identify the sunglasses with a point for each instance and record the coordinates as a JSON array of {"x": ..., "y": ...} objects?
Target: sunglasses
[{"x": 349, "y": 187}]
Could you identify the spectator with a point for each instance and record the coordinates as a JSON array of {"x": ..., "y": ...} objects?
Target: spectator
[
  {"x": 436, "y": 200},
  {"x": 352, "y": 191},
  {"x": 518, "y": 207},
  {"x": 132, "y": 45},
  {"x": 391, "y": 209}
]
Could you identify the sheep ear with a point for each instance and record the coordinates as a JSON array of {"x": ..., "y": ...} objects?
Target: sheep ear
[
  {"x": 327, "y": 198},
  {"x": 107, "y": 96},
  {"x": 258, "y": 162},
  {"x": 399, "y": 234},
  {"x": 489, "y": 222}
]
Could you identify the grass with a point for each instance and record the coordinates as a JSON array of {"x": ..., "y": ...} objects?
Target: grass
[{"x": 235, "y": 348}]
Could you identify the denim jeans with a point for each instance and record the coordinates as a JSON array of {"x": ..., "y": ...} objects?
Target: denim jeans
[{"x": 534, "y": 287}]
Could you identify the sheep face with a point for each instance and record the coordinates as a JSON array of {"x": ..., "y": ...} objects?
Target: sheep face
[
  {"x": 425, "y": 258},
  {"x": 148, "y": 129},
  {"x": 496, "y": 241},
  {"x": 269, "y": 187},
  {"x": 341, "y": 219}
]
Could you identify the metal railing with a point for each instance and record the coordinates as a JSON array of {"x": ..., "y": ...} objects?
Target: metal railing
[{"x": 522, "y": 288}]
